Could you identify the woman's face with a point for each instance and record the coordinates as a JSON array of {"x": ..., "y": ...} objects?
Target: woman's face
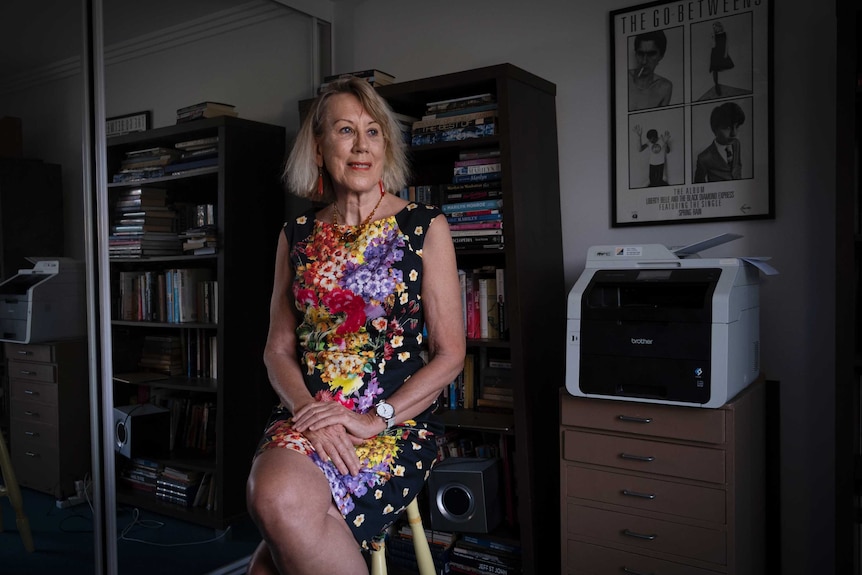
[{"x": 352, "y": 147}]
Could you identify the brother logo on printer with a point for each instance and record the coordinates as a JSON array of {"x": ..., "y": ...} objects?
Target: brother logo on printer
[{"x": 641, "y": 341}]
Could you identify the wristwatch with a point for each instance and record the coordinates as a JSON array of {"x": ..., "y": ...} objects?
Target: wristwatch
[{"x": 386, "y": 412}]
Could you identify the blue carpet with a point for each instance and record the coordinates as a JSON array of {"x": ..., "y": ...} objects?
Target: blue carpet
[{"x": 148, "y": 543}]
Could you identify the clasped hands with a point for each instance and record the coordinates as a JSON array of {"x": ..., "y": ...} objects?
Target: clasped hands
[{"x": 334, "y": 431}]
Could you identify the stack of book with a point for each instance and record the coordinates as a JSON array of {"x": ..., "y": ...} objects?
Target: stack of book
[
  {"x": 401, "y": 553},
  {"x": 473, "y": 201},
  {"x": 495, "y": 392},
  {"x": 143, "y": 224},
  {"x": 145, "y": 164},
  {"x": 456, "y": 119},
  {"x": 141, "y": 474},
  {"x": 202, "y": 240},
  {"x": 205, "y": 110},
  {"x": 178, "y": 486},
  {"x": 195, "y": 157},
  {"x": 473, "y": 553},
  {"x": 162, "y": 354},
  {"x": 372, "y": 76}
]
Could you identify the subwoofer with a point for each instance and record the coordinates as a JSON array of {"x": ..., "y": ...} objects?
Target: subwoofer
[
  {"x": 142, "y": 430},
  {"x": 464, "y": 494}
]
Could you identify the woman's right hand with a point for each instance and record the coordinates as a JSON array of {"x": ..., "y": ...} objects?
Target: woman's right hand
[{"x": 335, "y": 444}]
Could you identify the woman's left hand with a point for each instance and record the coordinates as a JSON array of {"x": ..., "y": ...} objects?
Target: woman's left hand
[{"x": 317, "y": 415}]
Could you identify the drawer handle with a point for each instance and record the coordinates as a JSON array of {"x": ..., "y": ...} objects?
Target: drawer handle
[
  {"x": 31, "y": 454},
  {"x": 631, "y": 419},
  {"x": 646, "y": 458},
  {"x": 25, "y": 372},
  {"x": 32, "y": 433},
  {"x": 637, "y": 494},
  {"x": 637, "y": 535},
  {"x": 32, "y": 413},
  {"x": 31, "y": 392},
  {"x": 633, "y": 572},
  {"x": 24, "y": 352}
]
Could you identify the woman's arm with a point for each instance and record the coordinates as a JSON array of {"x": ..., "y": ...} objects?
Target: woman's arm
[{"x": 280, "y": 353}]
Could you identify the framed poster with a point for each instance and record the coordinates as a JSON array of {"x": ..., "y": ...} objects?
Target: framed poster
[{"x": 691, "y": 95}]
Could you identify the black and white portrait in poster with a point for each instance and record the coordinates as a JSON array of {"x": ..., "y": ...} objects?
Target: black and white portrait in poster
[{"x": 692, "y": 123}]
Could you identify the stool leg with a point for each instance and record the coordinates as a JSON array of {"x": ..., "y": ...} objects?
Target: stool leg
[
  {"x": 14, "y": 493},
  {"x": 420, "y": 542},
  {"x": 378, "y": 560}
]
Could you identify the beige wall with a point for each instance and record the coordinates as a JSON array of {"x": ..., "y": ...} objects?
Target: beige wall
[{"x": 568, "y": 43}]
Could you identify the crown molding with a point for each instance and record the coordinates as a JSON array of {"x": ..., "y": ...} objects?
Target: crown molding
[{"x": 215, "y": 24}]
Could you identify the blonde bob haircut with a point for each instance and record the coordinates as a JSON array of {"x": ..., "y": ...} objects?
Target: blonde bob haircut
[{"x": 301, "y": 173}]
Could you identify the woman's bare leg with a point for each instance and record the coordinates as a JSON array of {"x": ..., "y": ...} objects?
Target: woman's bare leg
[{"x": 289, "y": 499}]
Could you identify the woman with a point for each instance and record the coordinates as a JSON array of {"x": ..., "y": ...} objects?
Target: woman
[{"x": 353, "y": 439}]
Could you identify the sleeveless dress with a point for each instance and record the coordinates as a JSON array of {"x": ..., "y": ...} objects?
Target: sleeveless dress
[{"x": 360, "y": 338}]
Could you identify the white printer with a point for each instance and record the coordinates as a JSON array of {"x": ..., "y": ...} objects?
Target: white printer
[
  {"x": 45, "y": 303},
  {"x": 649, "y": 324}
]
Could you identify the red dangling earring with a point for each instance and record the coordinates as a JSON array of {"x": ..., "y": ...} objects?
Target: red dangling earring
[
  {"x": 320, "y": 181},
  {"x": 382, "y": 191}
]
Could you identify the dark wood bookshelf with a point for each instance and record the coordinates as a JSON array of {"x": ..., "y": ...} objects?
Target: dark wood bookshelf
[
  {"x": 245, "y": 189},
  {"x": 535, "y": 291}
]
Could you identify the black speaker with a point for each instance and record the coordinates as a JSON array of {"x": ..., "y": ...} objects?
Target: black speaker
[
  {"x": 142, "y": 430},
  {"x": 464, "y": 494}
]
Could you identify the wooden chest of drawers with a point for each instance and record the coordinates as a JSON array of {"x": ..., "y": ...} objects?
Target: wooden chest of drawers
[
  {"x": 652, "y": 488},
  {"x": 49, "y": 414}
]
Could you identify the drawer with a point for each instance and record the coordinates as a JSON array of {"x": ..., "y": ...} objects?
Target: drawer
[
  {"x": 690, "y": 462},
  {"x": 33, "y": 411},
  {"x": 596, "y": 560},
  {"x": 689, "y": 501},
  {"x": 37, "y": 468},
  {"x": 689, "y": 423},
  {"x": 656, "y": 535},
  {"x": 32, "y": 434},
  {"x": 29, "y": 391},
  {"x": 46, "y": 372},
  {"x": 30, "y": 352}
]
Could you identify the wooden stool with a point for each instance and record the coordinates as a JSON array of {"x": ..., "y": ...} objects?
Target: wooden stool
[
  {"x": 420, "y": 546},
  {"x": 11, "y": 490}
]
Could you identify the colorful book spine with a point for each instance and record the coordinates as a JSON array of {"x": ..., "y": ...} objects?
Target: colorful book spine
[
  {"x": 482, "y": 177},
  {"x": 471, "y": 206},
  {"x": 483, "y": 218},
  {"x": 454, "y": 135}
]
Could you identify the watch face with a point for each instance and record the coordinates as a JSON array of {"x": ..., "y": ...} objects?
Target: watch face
[{"x": 385, "y": 410}]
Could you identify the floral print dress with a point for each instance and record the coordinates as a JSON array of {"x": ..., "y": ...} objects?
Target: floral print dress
[{"x": 360, "y": 338}]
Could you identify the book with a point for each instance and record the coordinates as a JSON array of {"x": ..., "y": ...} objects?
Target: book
[
  {"x": 466, "y": 109},
  {"x": 206, "y": 105},
  {"x": 456, "y": 103},
  {"x": 188, "y": 165},
  {"x": 379, "y": 76},
  {"x": 477, "y": 218},
  {"x": 456, "y": 134},
  {"x": 476, "y": 169},
  {"x": 448, "y": 122},
  {"x": 480, "y": 177},
  {"x": 471, "y": 205},
  {"x": 488, "y": 308},
  {"x": 488, "y": 232},
  {"x": 475, "y": 226},
  {"x": 197, "y": 143}
]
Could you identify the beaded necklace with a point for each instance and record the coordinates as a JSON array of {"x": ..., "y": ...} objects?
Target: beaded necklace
[{"x": 349, "y": 235}]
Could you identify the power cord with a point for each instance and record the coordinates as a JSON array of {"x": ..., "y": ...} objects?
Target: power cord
[{"x": 153, "y": 524}]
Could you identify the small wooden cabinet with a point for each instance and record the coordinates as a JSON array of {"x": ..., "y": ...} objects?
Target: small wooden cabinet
[
  {"x": 653, "y": 488},
  {"x": 50, "y": 419}
]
